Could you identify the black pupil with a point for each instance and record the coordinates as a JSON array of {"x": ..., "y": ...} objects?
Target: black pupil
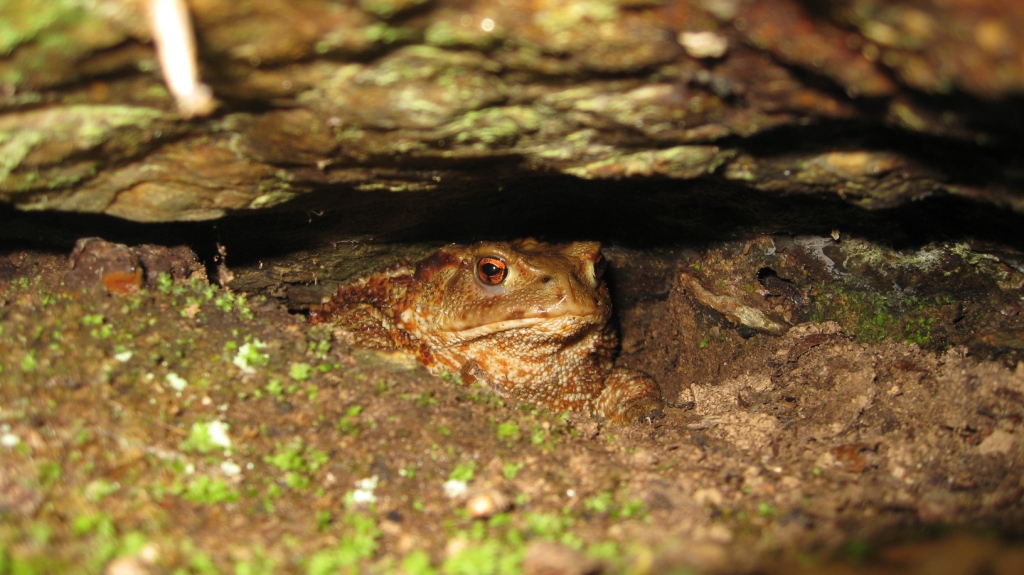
[{"x": 490, "y": 270}]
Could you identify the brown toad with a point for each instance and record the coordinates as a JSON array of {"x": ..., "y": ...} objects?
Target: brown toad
[{"x": 530, "y": 319}]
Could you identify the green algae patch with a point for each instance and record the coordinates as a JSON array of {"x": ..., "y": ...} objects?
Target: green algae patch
[
  {"x": 417, "y": 87},
  {"x": 874, "y": 317},
  {"x": 48, "y": 149},
  {"x": 42, "y": 42},
  {"x": 926, "y": 296},
  {"x": 938, "y": 295},
  {"x": 24, "y": 21},
  {"x": 677, "y": 162},
  {"x": 498, "y": 126}
]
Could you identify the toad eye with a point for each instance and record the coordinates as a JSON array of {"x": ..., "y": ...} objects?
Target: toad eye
[
  {"x": 600, "y": 265},
  {"x": 491, "y": 270}
]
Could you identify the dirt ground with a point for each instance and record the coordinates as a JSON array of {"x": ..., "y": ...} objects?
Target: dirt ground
[{"x": 821, "y": 419}]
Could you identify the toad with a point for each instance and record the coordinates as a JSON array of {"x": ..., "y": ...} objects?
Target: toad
[{"x": 527, "y": 318}]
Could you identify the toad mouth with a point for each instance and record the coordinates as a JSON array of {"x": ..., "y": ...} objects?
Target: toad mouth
[{"x": 518, "y": 323}]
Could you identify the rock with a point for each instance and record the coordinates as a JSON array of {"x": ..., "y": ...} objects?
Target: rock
[
  {"x": 379, "y": 95},
  {"x": 123, "y": 270}
]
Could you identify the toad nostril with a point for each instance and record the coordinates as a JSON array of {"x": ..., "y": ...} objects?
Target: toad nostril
[{"x": 545, "y": 279}]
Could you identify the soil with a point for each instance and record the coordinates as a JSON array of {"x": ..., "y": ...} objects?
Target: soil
[{"x": 161, "y": 423}]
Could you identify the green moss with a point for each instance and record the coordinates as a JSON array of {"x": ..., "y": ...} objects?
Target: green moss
[
  {"x": 95, "y": 531},
  {"x": 250, "y": 356},
  {"x": 29, "y": 363},
  {"x": 463, "y": 472},
  {"x": 358, "y": 543},
  {"x": 606, "y": 503},
  {"x": 874, "y": 317},
  {"x": 487, "y": 557},
  {"x": 209, "y": 491},
  {"x": 423, "y": 400},
  {"x": 417, "y": 562},
  {"x": 502, "y": 125},
  {"x": 766, "y": 510},
  {"x": 273, "y": 193},
  {"x": 298, "y": 461},
  {"x": 84, "y": 127},
  {"x": 498, "y": 545},
  {"x": 25, "y": 21},
  {"x": 918, "y": 330},
  {"x": 98, "y": 489},
  {"x": 300, "y": 371},
  {"x": 511, "y": 469},
  {"x": 509, "y": 431},
  {"x": 682, "y": 162},
  {"x": 349, "y": 423},
  {"x": 385, "y": 34},
  {"x": 205, "y": 437}
]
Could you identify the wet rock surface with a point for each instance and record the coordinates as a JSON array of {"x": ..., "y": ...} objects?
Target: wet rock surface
[{"x": 874, "y": 103}]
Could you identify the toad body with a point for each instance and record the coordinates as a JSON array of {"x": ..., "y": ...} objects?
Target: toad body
[{"x": 529, "y": 319}]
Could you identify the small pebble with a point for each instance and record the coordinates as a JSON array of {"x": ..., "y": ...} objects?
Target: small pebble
[
  {"x": 487, "y": 504},
  {"x": 704, "y": 44}
]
